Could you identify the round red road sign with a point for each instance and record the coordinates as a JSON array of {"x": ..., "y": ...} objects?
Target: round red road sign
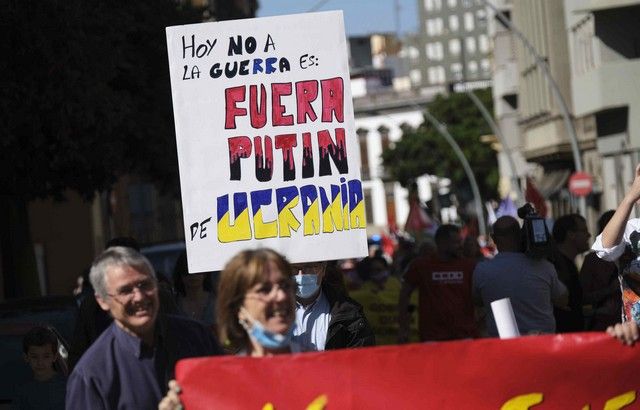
[{"x": 580, "y": 184}]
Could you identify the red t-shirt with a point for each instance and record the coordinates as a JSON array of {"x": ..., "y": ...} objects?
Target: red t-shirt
[{"x": 445, "y": 300}]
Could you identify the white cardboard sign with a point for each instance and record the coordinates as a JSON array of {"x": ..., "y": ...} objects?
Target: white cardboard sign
[{"x": 267, "y": 148}]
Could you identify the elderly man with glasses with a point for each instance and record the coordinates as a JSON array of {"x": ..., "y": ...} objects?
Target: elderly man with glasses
[{"x": 130, "y": 364}]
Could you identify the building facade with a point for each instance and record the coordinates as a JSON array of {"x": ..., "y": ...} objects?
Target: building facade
[
  {"x": 604, "y": 39},
  {"x": 453, "y": 42}
]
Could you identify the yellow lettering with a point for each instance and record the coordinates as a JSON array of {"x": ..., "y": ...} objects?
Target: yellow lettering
[
  {"x": 240, "y": 231},
  {"x": 621, "y": 401},
  {"x": 523, "y": 402},
  {"x": 312, "y": 219},
  {"x": 264, "y": 229},
  {"x": 319, "y": 403},
  {"x": 268, "y": 406},
  {"x": 287, "y": 220},
  {"x": 357, "y": 217},
  {"x": 332, "y": 216}
]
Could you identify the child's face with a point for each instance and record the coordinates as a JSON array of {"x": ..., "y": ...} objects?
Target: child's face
[{"x": 41, "y": 359}]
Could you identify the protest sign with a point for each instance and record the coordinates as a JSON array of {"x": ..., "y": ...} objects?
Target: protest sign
[
  {"x": 266, "y": 140},
  {"x": 570, "y": 371}
]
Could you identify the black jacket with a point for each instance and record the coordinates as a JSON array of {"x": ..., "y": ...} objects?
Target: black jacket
[{"x": 348, "y": 326}]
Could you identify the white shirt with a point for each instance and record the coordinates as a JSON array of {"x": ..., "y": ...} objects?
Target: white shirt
[
  {"x": 612, "y": 254},
  {"x": 312, "y": 324}
]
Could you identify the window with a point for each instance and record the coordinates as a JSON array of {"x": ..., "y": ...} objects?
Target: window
[
  {"x": 483, "y": 43},
  {"x": 471, "y": 44},
  {"x": 430, "y": 27},
  {"x": 467, "y": 3},
  {"x": 456, "y": 71},
  {"x": 435, "y": 51},
  {"x": 472, "y": 67},
  {"x": 435, "y": 27},
  {"x": 468, "y": 21},
  {"x": 439, "y": 50},
  {"x": 416, "y": 76},
  {"x": 432, "y": 75},
  {"x": 452, "y": 3},
  {"x": 364, "y": 153},
  {"x": 481, "y": 16},
  {"x": 433, "y": 5},
  {"x": 454, "y": 46},
  {"x": 485, "y": 65},
  {"x": 438, "y": 26},
  {"x": 430, "y": 51},
  {"x": 454, "y": 24},
  {"x": 436, "y": 75},
  {"x": 441, "y": 74}
]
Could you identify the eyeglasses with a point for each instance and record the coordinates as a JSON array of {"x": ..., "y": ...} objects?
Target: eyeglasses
[
  {"x": 267, "y": 290},
  {"x": 125, "y": 293},
  {"x": 308, "y": 268}
]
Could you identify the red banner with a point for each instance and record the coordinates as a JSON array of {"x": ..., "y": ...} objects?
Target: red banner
[{"x": 578, "y": 371}]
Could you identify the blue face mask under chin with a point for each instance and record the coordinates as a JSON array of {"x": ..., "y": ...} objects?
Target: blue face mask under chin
[
  {"x": 307, "y": 285},
  {"x": 267, "y": 338}
]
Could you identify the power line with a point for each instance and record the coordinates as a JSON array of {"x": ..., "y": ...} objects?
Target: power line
[{"x": 317, "y": 6}]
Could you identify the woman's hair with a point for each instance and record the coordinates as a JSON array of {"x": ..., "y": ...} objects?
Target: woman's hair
[{"x": 242, "y": 272}]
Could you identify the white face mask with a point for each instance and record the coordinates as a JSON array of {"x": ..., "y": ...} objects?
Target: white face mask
[{"x": 307, "y": 285}]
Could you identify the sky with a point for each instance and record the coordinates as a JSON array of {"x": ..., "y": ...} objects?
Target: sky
[{"x": 360, "y": 16}]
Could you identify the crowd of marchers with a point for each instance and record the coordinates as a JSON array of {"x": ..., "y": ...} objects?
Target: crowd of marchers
[{"x": 134, "y": 326}]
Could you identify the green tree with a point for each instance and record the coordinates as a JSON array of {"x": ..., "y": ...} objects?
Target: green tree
[
  {"x": 85, "y": 97},
  {"x": 424, "y": 151}
]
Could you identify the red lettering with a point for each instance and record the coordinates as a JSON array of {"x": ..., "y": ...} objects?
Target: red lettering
[
  {"x": 332, "y": 99},
  {"x": 306, "y": 93},
  {"x": 277, "y": 109},
  {"x": 258, "y": 113},
  {"x": 232, "y": 96}
]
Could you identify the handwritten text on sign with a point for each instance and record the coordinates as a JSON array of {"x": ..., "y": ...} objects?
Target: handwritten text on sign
[{"x": 266, "y": 140}]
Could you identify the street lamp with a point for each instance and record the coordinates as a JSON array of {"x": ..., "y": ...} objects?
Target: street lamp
[
  {"x": 505, "y": 147},
  {"x": 541, "y": 63}
]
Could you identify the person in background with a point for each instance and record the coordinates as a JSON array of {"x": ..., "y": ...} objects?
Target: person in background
[
  {"x": 571, "y": 237},
  {"x": 47, "y": 389},
  {"x": 378, "y": 294},
  {"x": 255, "y": 310},
  {"x": 194, "y": 294},
  {"x": 129, "y": 365},
  {"x": 445, "y": 304},
  {"x": 531, "y": 284},
  {"x": 600, "y": 286},
  {"x": 326, "y": 318}
]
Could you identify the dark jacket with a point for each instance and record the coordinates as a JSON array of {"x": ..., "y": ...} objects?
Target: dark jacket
[{"x": 348, "y": 326}]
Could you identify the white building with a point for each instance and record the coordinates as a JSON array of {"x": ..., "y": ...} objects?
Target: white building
[{"x": 604, "y": 39}]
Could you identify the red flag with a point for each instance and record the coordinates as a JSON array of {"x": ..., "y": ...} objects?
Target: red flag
[
  {"x": 534, "y": 196},
  {"x": 417, "y": 220}
]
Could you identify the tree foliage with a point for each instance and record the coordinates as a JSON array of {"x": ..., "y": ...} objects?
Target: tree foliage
[
  {"x": 85, "y": 94},
  {"x": 424, "y": 151}
]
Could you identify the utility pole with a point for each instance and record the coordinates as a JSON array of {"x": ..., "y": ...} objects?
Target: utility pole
[{"x": 503, "y": 141}]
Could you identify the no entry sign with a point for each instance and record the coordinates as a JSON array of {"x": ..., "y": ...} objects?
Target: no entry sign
[{"x": 580, "y": 184}]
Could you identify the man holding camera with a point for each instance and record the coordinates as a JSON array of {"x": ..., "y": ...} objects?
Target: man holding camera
[{"x": 531, "y": 283}]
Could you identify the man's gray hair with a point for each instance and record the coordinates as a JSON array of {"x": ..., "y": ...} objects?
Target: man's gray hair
[{"x": 116, "y": 256}]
